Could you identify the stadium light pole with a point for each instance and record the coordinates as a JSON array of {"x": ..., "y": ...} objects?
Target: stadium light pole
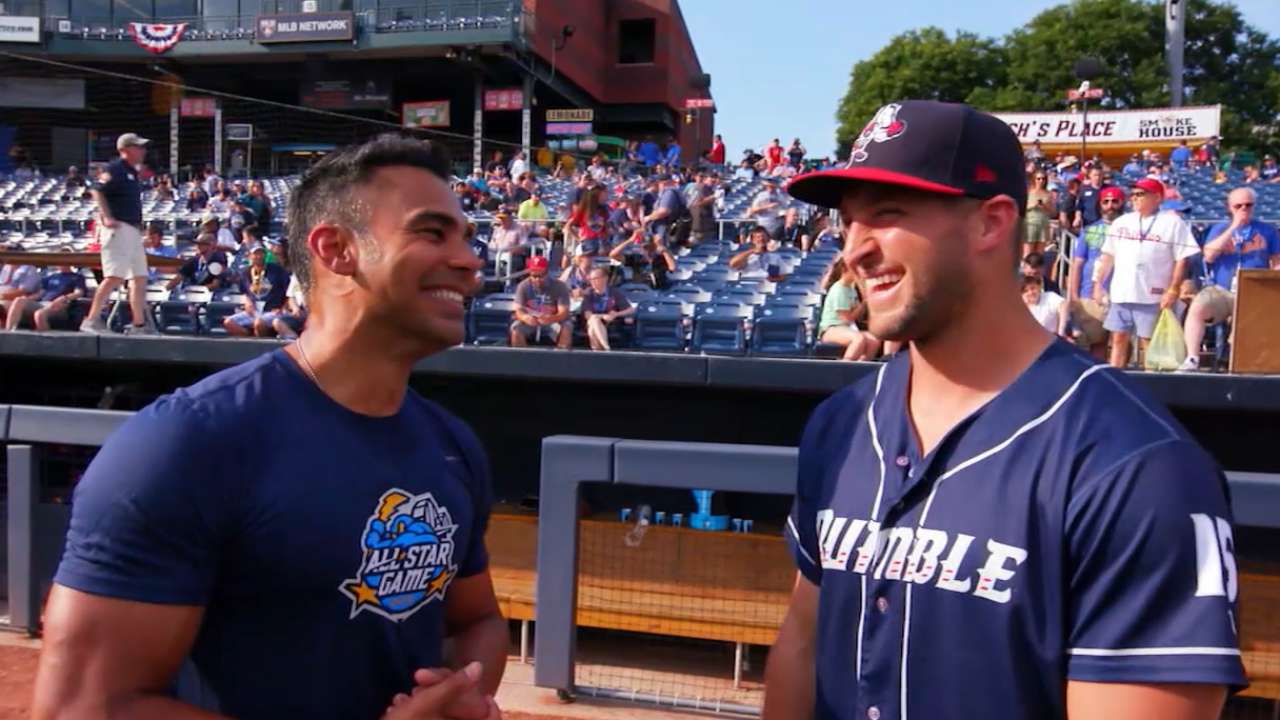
[
  {"x": 1175, "y": 32},
  {"x": 1086, "y": 69}
]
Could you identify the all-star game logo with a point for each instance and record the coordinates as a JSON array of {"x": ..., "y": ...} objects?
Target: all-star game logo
[{"x": 408, "y": 557}]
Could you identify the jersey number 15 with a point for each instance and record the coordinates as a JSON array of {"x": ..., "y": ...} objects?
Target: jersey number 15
[{"x": 1215, "y": 549}]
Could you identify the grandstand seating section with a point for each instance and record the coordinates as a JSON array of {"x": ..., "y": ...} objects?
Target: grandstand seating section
[{"x": 709, "y": 307}]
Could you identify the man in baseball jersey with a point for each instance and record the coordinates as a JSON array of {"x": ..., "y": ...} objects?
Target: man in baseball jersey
[
  {"x": 993, "y": 525},
  {"x": 330, "y": 560},
  {"x": 1145, "y": 256}
]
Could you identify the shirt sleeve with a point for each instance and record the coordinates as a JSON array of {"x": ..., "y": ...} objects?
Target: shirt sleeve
[
  {"x": 480, "y": 486},
  {"x": 1109, "y": 241},
  {"x": 1080, "y": 248},
  {"x": 1184, "y": 243},
  {"x": 148, "y": 519},
  {"x": 1152, "y": 577},
  {"x": 106, "y": 180},
  {"x": 1273, "y": 239},
  {"x": 802, "y": 524}
]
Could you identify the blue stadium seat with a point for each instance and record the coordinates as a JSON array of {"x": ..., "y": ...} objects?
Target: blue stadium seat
[
  {"x": 721, "y": 329},
  {"x": 659, "y": 327},
  {"x": 781, "y": 330},
  {"x": 221, "y": 308},
  {"x": 489, "y": 319},
  {"x": 177, "y": 317},
  {"x": 691, "y": 293}
]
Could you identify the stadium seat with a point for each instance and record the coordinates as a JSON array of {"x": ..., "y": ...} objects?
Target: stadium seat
[
  {"x": 720, "y": 328},
  {"x": 781, "y": 330},
  {"x": 489, "y": 320},
  {"x": 659, "y": 327},
  {"x": 691, "y": 293},
  {"x": 181, "y": 315},
  {"x": 218, "y": 310}
]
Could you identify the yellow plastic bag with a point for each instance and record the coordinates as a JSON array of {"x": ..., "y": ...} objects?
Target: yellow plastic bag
[{"x": 1168, "y": 347}]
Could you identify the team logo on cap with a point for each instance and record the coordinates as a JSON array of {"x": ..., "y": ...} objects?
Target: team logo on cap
[{"x": 883, "y": 127}]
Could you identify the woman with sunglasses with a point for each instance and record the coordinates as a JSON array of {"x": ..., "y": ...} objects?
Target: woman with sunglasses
[{"x": 1039, "y": 205}]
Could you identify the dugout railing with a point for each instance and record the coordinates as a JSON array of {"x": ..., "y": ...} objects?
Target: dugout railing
[{"x": 570, "y": 463}]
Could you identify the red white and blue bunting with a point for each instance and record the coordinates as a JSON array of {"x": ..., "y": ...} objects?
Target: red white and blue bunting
[{"x": 156, "y": 38}]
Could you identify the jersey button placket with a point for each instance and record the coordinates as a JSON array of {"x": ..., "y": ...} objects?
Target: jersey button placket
[{"x": 873, "y": 713}]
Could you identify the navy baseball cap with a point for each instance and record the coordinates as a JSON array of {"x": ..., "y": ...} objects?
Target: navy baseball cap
[{"x": 945, "y": 148}]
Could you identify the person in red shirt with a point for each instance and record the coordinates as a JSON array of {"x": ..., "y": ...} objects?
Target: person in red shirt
[
  {"x": 717, "y": 151},
  {"x": 773, "y": 154}
]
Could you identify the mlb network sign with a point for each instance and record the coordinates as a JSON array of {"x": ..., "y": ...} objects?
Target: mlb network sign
[
  {"x": 19, "y": 29},
  {"x": 306, "y": 27}
]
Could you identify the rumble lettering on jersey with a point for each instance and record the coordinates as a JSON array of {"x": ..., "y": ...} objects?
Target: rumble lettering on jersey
[{"x": 919, "y": 555}]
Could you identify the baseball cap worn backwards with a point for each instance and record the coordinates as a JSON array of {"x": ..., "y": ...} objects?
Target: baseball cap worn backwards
[{"x": 937, "y": 147}]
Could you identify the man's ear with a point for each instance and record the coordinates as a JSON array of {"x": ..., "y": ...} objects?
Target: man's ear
[
  {"x": 334, "y": 249},
  {"x": 997, "y": 220}
]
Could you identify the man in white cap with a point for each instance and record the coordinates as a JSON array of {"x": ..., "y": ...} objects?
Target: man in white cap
[{"x": 119, "y": 198}]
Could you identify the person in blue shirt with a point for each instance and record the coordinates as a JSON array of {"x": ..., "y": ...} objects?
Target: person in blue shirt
[
  {"x": 1134, "y": 168},
  {"x": 1180, "y": 156},
  {"x": 1243, "y": 243},
  {"x": 994, "y": 524},
  {"x": 329, "y": 557},
  {"x": 1088, "y": 315},
  {"x": 672, "y": 156},
  {"x": 263, "y": 285},
  {"x": 52, "y": 303},
  {"x": 650, "y": 153}
]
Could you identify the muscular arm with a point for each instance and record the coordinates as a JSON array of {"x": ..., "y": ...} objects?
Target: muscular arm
[
  {"x": 477, "y": 630},
  {"x": 1220, "y": 245},
  {"x": 105, "y": 657},
  {"x": 789, "y": 675},
  {"x": 1121, "y": 701}
]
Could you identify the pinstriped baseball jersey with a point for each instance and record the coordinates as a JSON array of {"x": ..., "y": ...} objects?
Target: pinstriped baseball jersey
[{"x": 1069, "y": 529}]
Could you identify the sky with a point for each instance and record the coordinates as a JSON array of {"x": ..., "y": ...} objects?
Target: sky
[{"x": 778, "y": 69}]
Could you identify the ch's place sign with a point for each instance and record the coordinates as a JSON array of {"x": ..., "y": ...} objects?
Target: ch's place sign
[{"x": 306, "y": 27}]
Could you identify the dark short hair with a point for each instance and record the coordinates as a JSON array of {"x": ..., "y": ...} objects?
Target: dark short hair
[
  {"x": 324, "y": 194},
  {"x": 1035, "y": 260},
  {"x": 758, "y": 228},
  {"x": 1032, "y": 281}
]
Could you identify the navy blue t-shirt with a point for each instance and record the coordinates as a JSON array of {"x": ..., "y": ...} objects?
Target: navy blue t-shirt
[
  {"x": 62, "y": 283},
  {"x": 320, "y": 542},
  {"x": 122, "y": 191},
  {"x": 272, "y": 288},
  {"x": 1070, "y": 529},
  {"x": 1090, "y": 209}
]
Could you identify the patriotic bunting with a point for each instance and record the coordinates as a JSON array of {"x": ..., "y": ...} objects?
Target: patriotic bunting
[{"x": 156, "y": 38}]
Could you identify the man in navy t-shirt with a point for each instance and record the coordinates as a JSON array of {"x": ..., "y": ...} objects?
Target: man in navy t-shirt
[
  {"x": 1243, "y": 243},
  {"x": 994, "y": 525},
  {"x": 335, "y": 542},
  {"x": 263, "y": 285}
]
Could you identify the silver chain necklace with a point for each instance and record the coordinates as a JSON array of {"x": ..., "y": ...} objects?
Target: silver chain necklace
[{"x": 306, "y": 365}]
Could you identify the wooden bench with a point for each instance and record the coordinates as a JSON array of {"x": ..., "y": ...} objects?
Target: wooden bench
[{"x": 735, "y": 588}]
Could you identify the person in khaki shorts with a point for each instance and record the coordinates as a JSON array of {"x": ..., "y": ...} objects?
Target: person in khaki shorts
[
  {"x": 1087, "y": 315},
  {"x": 119, "y": 197},
  {"x": 1242, "y": 243}
]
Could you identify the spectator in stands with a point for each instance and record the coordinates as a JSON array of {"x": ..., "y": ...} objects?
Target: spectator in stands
[
  {"x": 793, "y": 233},
  {"x": 1270, "y": 171},
  {"x": 598, "y": 170},
  {"x": 1034, "y": 153},
  {"x": 1243, "y": 243},
  {"x": 796, "y": 154},
  {"x": 1067, "y": 204},
  {"x": 1039, "y": 208},
  {"x": 466, "y": 199},
  {"x": 16, "y": 281},
  {"x": 208, "y": 268},
  {"x": 1134, "y": 167},
  {"x": 223, "y": 237},
  {"x": 211, "y": 181},
  {"x": 163, "y": 189},
  {"x": 496, "y": 163},
  {"x": 489, "y": 202},
  {"x": 767, "y": 208},
  {"x": 716, "y": 155},
  {"x": 477, "y": 181},
  {"x": 509, "y": 237},
  {"x": 587, "y": 229},
  {"x": 842, "y": 313},
  {"x": 1180, "y": 156},
  {"x": 672, "y": 156},
  {"x": 1047, "y": 307},
  {"x": 542, "y": 308},
  {"x": 757, "y": 261},
  {"x": 648, "y": 259},
  {"x": 1087, "y": 209},
  {"x": 752, "y": 162},
  {"x": 577, "y": 276},
  {"x": 289, "y": 321},
  {"x": 153, "y": 245},
  {"x": 702, "y": 210},
  {"x": 259, "y": 204},
  {"x": 601, "y": 306},
  {"x": 197, "y": 200},
  {"x": 533, "y": 211},
  {"x": 649, "y": 152},
  {"x": 264, "y": 286},
  {"x": 519, "y": 166},
  {"x": 1147, "y": 250},
  {"x": 220, "y": 201},
  {"x": 824, "y": 236},
  {"x": 773, "y": 155},
  {"x": 1086, "y": 313},
  {"x": 1035, "y": 265},
  {"x": 627, "y": 216},
  {"x": 52, "y": 303},
  {"x": 668, "y": 209},
  {"x": 1252, "y": 174},
  {"x": 118, "y": 194},
  {"x": 241, "y": 217},
  {"x": 521, "y": 190},
  {"x": 74, "y": 183}
]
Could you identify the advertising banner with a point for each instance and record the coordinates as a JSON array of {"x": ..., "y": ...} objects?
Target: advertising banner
[
  {"x": 19, "y": 29},
  {"x": 1128, "y": 127},
  {"x": 429, "y": 113},
  {"x": 306, "y": 27}
]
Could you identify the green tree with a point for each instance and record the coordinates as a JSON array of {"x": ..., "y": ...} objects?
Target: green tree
[
  {"x": 1227, "y": 61},
  {"x": 922, "y": 63}
]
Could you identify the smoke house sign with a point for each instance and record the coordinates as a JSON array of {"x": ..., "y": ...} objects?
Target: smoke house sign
[{"x": 1154, "y": 125}]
